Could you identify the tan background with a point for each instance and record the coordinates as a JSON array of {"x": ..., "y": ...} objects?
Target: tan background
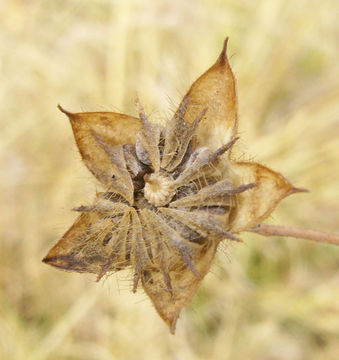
[{"x": 268, "y": 299}]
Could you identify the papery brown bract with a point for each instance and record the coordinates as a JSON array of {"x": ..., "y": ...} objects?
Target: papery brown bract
[
  {"x": 256, "y": 205},
  {"x": 214, "y": 90},
  {"x": 113, "y": 128},
  {"x": 171, "y": 194}
]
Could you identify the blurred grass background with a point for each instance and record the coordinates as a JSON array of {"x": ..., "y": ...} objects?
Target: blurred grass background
[{"x": 268, "y": 299}]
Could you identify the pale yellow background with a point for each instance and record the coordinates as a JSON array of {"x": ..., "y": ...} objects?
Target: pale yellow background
[{"x": 267, "y": 299}]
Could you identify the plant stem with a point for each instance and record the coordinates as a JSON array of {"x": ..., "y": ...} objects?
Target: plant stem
[{"x": 276, "y": 230}]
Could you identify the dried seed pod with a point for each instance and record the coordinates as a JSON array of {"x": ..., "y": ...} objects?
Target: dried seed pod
[{"x": 172, "y": 194}]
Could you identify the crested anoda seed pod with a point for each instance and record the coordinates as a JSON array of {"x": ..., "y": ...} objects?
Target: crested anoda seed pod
[{"x": 171, "y": 194}]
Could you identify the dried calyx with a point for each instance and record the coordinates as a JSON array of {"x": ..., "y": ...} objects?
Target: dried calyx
[
  {"x": 164, "y": 196},
  {"x": 171, "y": 194}
]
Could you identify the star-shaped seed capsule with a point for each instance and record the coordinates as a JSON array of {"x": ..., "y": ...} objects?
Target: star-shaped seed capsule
[{"x": 171, "y": 193}]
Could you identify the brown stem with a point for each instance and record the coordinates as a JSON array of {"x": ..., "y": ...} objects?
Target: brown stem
[{"x": 275, "y": 230}]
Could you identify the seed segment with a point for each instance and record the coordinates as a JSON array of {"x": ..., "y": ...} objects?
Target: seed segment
[{"x": 159, "y": 189}]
